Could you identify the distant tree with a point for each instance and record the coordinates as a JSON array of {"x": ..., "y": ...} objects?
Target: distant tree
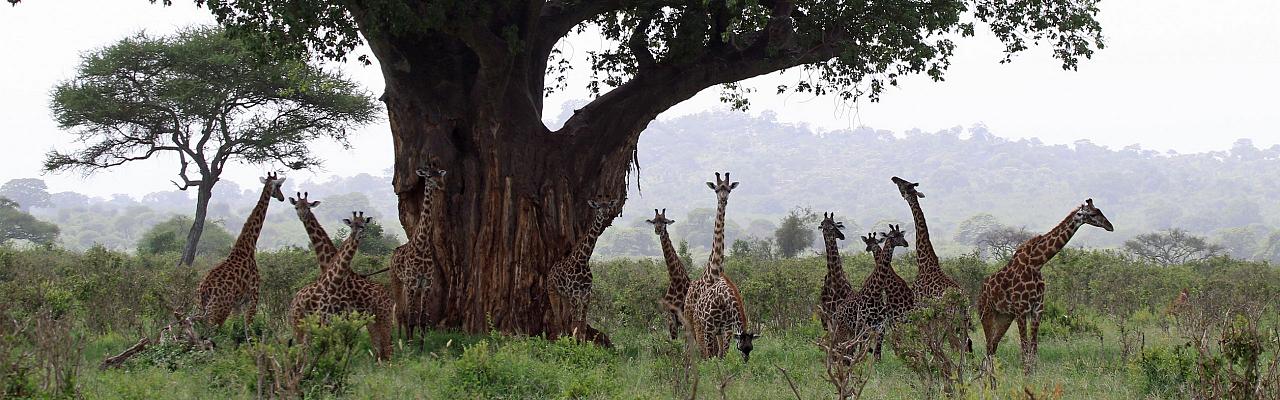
[
  {"x": 1170, "y": 247},
  {"x": 752, "y": 249},
  {"x": 16, "y": 224},
  {"x": 974, "y": 227},
  {"x": 206, "y": 99},
  {"x": 167, "y": 237},
  {"x": 795, "y": 232},
  {"x": 375, "y": 242},
  {"x": 685, "y": 254},
  {"x": 1000, "y": 243},
  {"x": 1242, "y": 242},
  {"x": 29, "y": 192}
]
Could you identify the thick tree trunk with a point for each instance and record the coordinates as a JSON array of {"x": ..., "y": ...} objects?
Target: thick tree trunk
[
  {"x": 203, "y": 193},
  {"x": 515, "y": 201}
]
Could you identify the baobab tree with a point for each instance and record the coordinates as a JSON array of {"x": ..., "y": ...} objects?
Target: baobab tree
[
  {"x": 208, "y": 100},
  {"x": 465, "y": 82}
]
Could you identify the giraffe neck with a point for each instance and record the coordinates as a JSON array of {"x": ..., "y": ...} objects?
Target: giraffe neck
[
  {"x": 247, "y": 243},
  {"x": 836, "y": 279},
  {"x": 320, "y": 241},
  {"x": 422, "y": 235},
  {"x": 715, "y": 263},
  {"x": 926, "y": 258},
  {"x": 1055, "y": 240},
  {"x": 342, "y": 261},
  {"x": 884, "y": 259},
  {"x": 675, "y": 266},
  {"x": 582, "y": 253}
]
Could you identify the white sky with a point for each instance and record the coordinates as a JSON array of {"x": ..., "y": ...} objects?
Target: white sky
[{"x": 1184, "y": 75}]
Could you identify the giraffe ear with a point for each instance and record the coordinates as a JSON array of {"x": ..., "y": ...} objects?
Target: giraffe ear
[
  {"x": 262, "y": 180},
  {"x": 315, "y": 203},
  {"x": 711, "y": 185},
  {"x": 293, "y": 201},
  {"x": 346, "y": 221},
  {"x": 1089, "y": 202},
  {"x": 733, "y": 185}
]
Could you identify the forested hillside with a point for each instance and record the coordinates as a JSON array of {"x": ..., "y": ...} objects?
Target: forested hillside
[{"x": 1228, "y": 196}]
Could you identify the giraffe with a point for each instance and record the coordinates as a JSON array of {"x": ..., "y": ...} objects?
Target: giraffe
[
  {"x": 339, "y": 290},
  {"x": 835, "y": 285},
  {"x": 413, "y": 263},
  {"x": 679, "y": 286},
  {"x": 1016, "y": 292},
  {"x": 885, "y": 298},
  {"x": 233, "y": 283},
  {"x": 320, "y": 242},
  {"x": 713, "y": 305},
  {"x": 571, "y": 276},
  {"x": 931, "y": 282}
]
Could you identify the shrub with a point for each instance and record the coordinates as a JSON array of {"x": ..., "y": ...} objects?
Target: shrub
[
  {"x": 1164, "y": 369},
  {"x": 171, "y": 235}
]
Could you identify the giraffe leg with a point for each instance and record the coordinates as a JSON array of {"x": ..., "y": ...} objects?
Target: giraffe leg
[
  {"x": 994, "y": 326},
  {"x": 250, "y": 310},
  {"x": 1034, "y": 337},
  {"x": 1025, "y": 343},
  {"x": 673, "y": 325},
  {"x": 380, "y": 335}
]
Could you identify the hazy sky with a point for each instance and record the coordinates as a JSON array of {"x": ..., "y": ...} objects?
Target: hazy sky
[{"x": 1176, "y": 74}]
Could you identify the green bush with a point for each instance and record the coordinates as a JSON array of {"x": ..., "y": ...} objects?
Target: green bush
[
  {"x": 1165, "y": 369},
  {"x": 170, "y": 236}
]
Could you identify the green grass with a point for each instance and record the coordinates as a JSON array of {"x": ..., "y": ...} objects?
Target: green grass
[{"x": 642, "y": 365}]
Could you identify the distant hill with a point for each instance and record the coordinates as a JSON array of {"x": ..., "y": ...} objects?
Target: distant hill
[{"x": 1229, "y": 196}]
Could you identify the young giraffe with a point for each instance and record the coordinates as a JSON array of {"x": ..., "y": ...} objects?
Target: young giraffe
[
  {"x": 234, "y": 282},
  {"x": 1016, "y": 292},
  {"x": 320, "y": 242},
  {"x": 571, "y": 276},
  {"x": 884, "y": 295},
  {"x": 340, "y": 290},
  {"x": 413, "y": 263},
  {"x": 931, "y": 282},
  {"x": 852, "y": 319},
  {"x": 713, "y": 305},
  {"x": 835, "y": 285},
  {"x": 679, "y": 286}
]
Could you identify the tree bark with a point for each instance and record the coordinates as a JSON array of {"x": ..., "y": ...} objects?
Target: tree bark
[{"x": 203, "y": 193}]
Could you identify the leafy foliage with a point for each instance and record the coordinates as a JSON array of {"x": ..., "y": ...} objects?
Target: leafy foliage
[
  {"x": 1174, "y": 246},
  {"x": 27, "y": 192},
  {"x": 795, "y": 232},
  {"x": 16, "y": 224},
  {"x": 170, "y": 235}
]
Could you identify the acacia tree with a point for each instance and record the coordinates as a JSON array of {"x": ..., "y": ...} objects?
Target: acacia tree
[
  {"x": 466, "y": 80},
  {"x": 1170, "y": 247},
  {"x": 209, "y": 100}
]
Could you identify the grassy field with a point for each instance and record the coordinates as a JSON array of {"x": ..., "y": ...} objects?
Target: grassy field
[{"x": 65, "y": 311}]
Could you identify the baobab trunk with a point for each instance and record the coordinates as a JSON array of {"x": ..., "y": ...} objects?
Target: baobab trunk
[{"x": 514, "y": 202}]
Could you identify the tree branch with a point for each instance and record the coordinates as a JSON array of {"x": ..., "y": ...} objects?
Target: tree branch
[{"x": 638, "y": 43}]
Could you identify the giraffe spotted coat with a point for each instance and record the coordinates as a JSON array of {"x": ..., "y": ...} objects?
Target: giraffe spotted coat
[
  {"x": 413, "y": 264},
  {"x": 678, "y": 275},
  {"x": 1016, "y": 292},
  {"x": 570, "y": 278},
  {"x": 713, "y": 305},
  {"x": 233, "y": 283},
  {"x": 340, "y": 290}
]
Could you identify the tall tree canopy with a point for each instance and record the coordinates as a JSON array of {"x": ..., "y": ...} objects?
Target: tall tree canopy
[
  {"x": 17, "y": 224},
  {"x": 209, "y": 100},
  {"x": 466, "y": 81}
]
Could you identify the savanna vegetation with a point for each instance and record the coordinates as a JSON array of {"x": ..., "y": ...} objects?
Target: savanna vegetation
[{"x": 1108, "y": 333}]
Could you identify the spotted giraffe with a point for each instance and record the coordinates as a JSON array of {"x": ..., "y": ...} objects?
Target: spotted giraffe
[
  {"x": 851, "y": 320},
  {"x": 713, "y": 305},
  {"x": 885, "y": 298},
  {"x": 339, "y": 290},
  {"x": 679, "y": 286},
  {"x": 931, "y": 282},
  {"x": 234, "y": 282},
  {"x": 320, "y": 242},
  {"x": 835, "y": 285},
  {"x": 1016, "y": 292},
  {"x": 413, "y": 263},
  {"x": 570, "y": 278}
]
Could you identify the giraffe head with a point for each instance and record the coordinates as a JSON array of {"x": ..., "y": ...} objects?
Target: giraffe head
[
  {"x": 432, "y": 176},
  {"x": 604, "y": 207},
  {"x": 302, "y": 205},
  {"x": 830, "y": 227},
  {"x": 660, "y": 221},
  {"x": 895, "y": 237},
  {"x": 273, "y": 182},
  {"x": 873, "y": 243},
  {"x": 745, "y": 340},
  {"x": 1088, "y": 214},
  {"x": 907, "y": 189},
  {"x": 722, "y": 187},
  {"x": 357, "y": 222}
]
